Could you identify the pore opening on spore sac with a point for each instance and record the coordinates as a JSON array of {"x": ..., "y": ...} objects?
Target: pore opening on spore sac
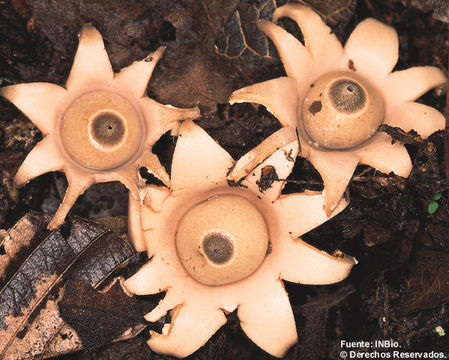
[
  {"x": 108, "y": 129},
  {"x": 218, "y": 247},
  {"x": 347, "y": 95}
]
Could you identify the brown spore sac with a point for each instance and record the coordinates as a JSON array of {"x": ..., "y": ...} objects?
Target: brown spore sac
[
  {"x": 108, "y": 129},
  {"x": 218, "y": 248}
]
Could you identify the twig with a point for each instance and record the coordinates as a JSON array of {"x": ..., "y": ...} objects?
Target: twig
[{"x": 209, "y": 18}]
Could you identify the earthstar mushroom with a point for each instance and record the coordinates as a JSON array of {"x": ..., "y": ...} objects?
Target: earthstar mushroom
[
  {"x": 338, "y": 96},
  {"x": 101, "y": 127},
  {"x": 215, "y": 248}
]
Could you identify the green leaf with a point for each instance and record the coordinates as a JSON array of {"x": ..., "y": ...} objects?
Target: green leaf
[
  {"x": 433, "y": 206},
  {"x": 437, "y": 197}
]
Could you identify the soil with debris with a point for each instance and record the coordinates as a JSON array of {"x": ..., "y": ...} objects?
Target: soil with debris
[{"x": 397, "y": 228}]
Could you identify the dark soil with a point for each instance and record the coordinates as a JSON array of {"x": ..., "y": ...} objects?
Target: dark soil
[{"x": 400, "y": 287}]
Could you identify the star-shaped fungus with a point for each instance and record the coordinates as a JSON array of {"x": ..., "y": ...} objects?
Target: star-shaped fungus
[
  {"x": 337, "y": 97},
  {"x": 215, "y": 248},
  {"x": 100, "y": 127}
]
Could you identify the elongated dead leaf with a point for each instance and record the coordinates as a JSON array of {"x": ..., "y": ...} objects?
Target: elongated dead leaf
[
  {"x": 100, "y": 318},
  {"x": 29, "y": 313},
  {"x": 241, "y": 39},
  {"x": 19, "y": 238}
]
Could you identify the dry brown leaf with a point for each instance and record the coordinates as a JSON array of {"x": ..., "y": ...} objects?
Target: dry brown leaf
[{"x": 29, "y": 315}]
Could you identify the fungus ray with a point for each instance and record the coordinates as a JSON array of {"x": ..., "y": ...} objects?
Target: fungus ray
[
  {"x": 77, "y": 186},
  {"x": 151, "y": 278},
  {"x": 161, "y": 118},
  {"x": 136, "y": 76},
  {"x": 128, "y": 176},
  {"x": 171, "y": 300},
  {"x": 268, "y": 305},
  {"x": 151, "y": 162},
  {"x": 381, "y": 154},
  {"x": 267, "y": 147},
  {"x": 410, "y": 84},
  {"x": 135, "y": 224},
  {"x": 295, "y": 57},
  {"x": 198, "y": 159},
  {"x": 281, "y": 162},
  {"x": 37, "y": 101},
  {"x": 91, "y": 60},
  {"x": 373, "y": 47},
  {"x": 43, "y": 158},
  {"x": 304, "y": 264},
  {"x": 158, "y": 229},
  {"x": 149, "y": 219},
  {"x": 318, "y": 37},
  {"x": 192, "y": 325},
  {"x": 415, "y": 116},
  {"x": 294, "y": 212},
  {"x": 277, "y": 95},
  {"x": 336, "y": 169}
]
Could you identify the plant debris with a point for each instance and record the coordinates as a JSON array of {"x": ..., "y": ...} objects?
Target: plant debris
[{"x": 44, "y": 273}]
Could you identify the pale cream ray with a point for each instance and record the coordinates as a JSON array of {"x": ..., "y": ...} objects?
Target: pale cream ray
[
  {"x": 424, "y": 119},
  {"x": 198, "y": 159},
  {"x": 410, "y": 84},
  {"x": 135, "y": 77},
  {"x": 301, "y": 213},
  {"x": 277, "y": 95},
  {"x": 192, "y": 326},
  {"x": 336, "y": 169},
  {"x": 40, "y": 102},
  {"x": 373, "y": 48},
  {"x": 266, "y": 317},
  {"x": 128, "y": 176},
  {"x": 91, "y": 60},
  {"x": 152, "y": 278},
  {"x": 282, "y": 162},
  {"x": 267, "y": 147},
  {"x": 318, "y": 37},
  {"x": 173, "y": 298},
  {"x": 77, "y": 186},
  {"x": 154, "y": 166},
  {"x": 155, "y": 197},
  {"x": 297, "y": 61},
  {"x": 42, "y": 159},
  {"x": 302, "y": 263},
  {"x": 382, "y": 155},
  {"x": 135, "y": 224},
  {"x": 161, "y": 118},
  {"x": 159, "y": 233}
]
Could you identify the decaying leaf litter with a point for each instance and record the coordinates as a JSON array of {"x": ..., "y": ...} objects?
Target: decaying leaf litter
[{"x": 400, "y": 285}]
